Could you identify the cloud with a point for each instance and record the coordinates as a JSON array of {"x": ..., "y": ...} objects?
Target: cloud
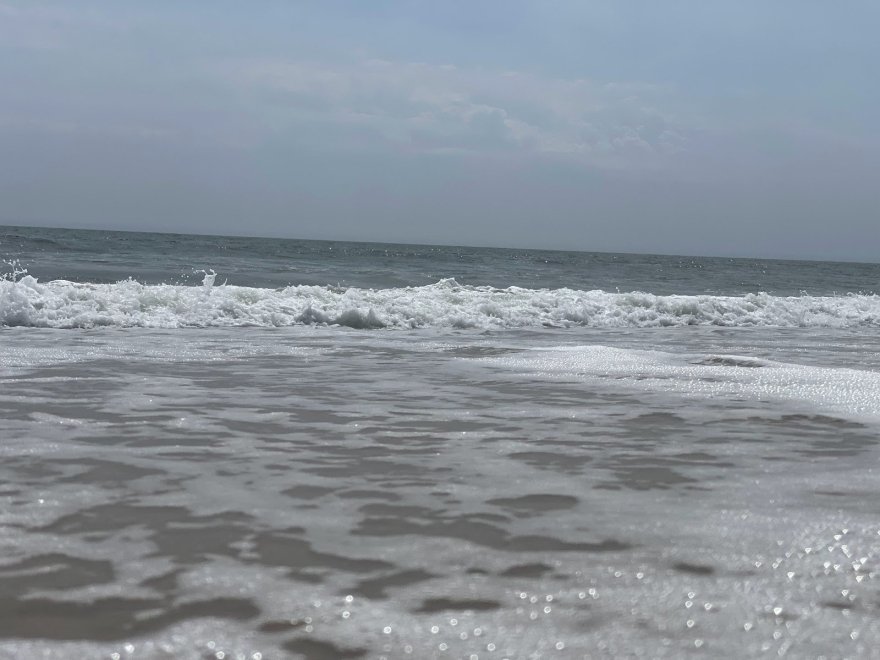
[{"x": 442, "y": 108}]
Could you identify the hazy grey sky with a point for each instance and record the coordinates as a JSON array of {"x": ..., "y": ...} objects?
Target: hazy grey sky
[{"x": 737, "y": 127}]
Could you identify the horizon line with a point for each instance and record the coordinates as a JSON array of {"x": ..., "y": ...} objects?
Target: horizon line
[{"x": 446, "y": 245}]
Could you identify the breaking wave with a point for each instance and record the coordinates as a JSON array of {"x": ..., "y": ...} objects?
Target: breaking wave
[{"x": 24, "y": 301}]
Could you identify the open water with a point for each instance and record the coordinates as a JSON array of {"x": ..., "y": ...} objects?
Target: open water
[{"x": 250, "y": 448}]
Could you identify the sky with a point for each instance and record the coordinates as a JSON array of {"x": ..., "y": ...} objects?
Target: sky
[{"x": 711, "y": 127}]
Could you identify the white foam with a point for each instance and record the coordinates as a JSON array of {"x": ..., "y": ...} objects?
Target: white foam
[
  {"x": 63, "y": 304},
  {"x": 851, "y": 392}
]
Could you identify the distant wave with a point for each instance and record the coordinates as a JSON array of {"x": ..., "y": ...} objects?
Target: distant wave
[{"x": 60, "y": 304}]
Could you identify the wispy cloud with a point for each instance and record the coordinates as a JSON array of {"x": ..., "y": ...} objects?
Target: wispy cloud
[{"x": 442, "y": 108}]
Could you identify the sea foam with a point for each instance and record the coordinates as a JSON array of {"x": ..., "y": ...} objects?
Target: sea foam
[
  {"x": 796, "y": 387},
  {"x": 62, "y": 304}
]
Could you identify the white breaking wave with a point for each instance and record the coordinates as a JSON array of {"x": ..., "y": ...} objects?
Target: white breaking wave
[{"x": 63, "y": 304}]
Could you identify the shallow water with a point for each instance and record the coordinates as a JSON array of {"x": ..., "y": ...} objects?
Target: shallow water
[
  {"x": 332, "y": 450},
  {"x": 327, "y": 492}
]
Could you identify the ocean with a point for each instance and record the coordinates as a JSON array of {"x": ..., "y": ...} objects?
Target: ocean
[{"x": 245, "y": 448}]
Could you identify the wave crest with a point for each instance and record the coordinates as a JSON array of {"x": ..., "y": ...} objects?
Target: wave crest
[{"x": 63, "y": 304}]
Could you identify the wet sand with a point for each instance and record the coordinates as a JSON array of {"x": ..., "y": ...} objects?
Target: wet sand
[{"x": 328, "y": 494}]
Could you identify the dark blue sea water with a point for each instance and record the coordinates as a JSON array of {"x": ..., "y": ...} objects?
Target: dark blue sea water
[
  {"x": 106, "y": 257},
  {"x": 66, "y": 278}
]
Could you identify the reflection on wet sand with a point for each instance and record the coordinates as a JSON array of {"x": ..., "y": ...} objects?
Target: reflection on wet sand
[{"x": 448, "y": 509}]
